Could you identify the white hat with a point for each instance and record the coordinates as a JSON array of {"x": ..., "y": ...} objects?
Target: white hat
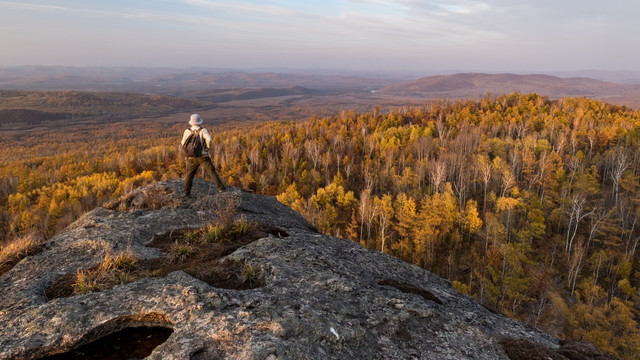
[{"x": 195, "y": 120}]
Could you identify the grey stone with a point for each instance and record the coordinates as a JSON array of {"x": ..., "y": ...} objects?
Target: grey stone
[{"x": 322, "y": 297}]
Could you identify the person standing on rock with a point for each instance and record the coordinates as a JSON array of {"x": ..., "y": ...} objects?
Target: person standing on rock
[{"x": 196, "y": 143}]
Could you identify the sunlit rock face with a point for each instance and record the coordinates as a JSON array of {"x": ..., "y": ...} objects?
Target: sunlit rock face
[{"x": 311, "y": 296}]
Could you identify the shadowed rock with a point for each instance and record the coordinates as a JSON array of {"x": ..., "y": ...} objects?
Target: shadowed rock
[
  {"x": 321, "y": 297},
  {"x": 522, "y": 349}
]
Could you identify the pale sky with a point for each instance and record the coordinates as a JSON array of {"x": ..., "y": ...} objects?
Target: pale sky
[{"x": 422, "y": 35}]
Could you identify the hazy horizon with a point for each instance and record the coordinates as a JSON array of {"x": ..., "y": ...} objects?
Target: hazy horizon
[
  {"x": 321, "y": 70},
  {"x": 366, "y": 35}
]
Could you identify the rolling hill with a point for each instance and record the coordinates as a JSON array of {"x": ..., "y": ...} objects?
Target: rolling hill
[
  {"x": 20, "y": 109},
  {"x": 469, "y": 85},
  {"x": 253, "y": 93},
  {"x": 179, "y": 81}
]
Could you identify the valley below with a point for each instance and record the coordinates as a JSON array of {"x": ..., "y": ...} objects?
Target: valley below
[{"x": 38, "y": 97}]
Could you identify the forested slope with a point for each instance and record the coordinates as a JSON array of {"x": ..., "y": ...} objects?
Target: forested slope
[{"x": 530, "y": 205}]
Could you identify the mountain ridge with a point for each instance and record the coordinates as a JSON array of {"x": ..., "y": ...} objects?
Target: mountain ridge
[
  {"x": 620, "y": 88},
  {"x": 477, "y": 84}
]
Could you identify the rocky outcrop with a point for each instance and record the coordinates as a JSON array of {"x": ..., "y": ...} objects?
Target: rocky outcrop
[{"x": 320, "y": 297}]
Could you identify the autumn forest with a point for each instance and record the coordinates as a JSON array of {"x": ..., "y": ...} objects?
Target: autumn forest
[{"x": 530, "y": 205}]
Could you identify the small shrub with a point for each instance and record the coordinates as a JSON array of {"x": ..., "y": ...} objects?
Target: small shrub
[
  {"x": 249, "y": 274},
  {"x": 214, "y": 233},
  {"x": 219, "y": 232},
  {"x": 86, "y": 282},
  {"x": 180, "y": 253},
  {"x": 242, "y": 227},
  {"x": 121, "y": 262},
  {"x": 191, "y": 237},
  {"x": 123, "y": 277},
  {"x": 124, "y": 261}
]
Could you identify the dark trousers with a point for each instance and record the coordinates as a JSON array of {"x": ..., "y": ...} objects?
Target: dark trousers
[{"x": 192, "y": 167}]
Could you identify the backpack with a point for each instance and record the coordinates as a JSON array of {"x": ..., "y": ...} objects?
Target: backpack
[{"x": 194, "y": 144}]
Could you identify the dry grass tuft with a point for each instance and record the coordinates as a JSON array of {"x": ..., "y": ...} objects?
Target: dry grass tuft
[
  {"x": 16, "y": 250},
  {"x": 113, "y": 270},
  {"x": 218, "y": 232},
  {"x": 181, "y": 253},
  {"x": 249, "y": 274}
]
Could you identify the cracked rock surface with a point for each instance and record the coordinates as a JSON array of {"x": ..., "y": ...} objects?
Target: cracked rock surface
[{"x": 323, "y": 297}]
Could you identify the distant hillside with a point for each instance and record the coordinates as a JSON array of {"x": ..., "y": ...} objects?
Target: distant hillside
[
  {"x": 178, "y": 81},
  {"x": 29, "y": 117},
  {"x": 253, "y": 93},
  {"x": 237, "y": 79},
  {"x": 619, "y": 77},
  {"x": 468, "y": 85},
  {"x": 18, "y": 108}
]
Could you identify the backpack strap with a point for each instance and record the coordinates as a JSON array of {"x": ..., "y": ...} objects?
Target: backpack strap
[
  {"x": 201, "y": 140},
  {"x": 195, "y": 132}
]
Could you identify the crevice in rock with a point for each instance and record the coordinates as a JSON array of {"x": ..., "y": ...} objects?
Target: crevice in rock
[
  {"x": 578, "y": 350},
  {"x": 128, "y": 337},
  {"x": 523, "y": 349},
  {"x": 198, "y": 252},
  {"x": 410, "y": 289}
]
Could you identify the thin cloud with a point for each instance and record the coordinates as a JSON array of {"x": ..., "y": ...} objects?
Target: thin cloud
[
  {"x": 489, "y": 33},
  {"x": 129, "y": 14},
  {"x": 28, "y": 6},
  {"x": 423, "y": 7},
  {"x": 271, "y": 10}
]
